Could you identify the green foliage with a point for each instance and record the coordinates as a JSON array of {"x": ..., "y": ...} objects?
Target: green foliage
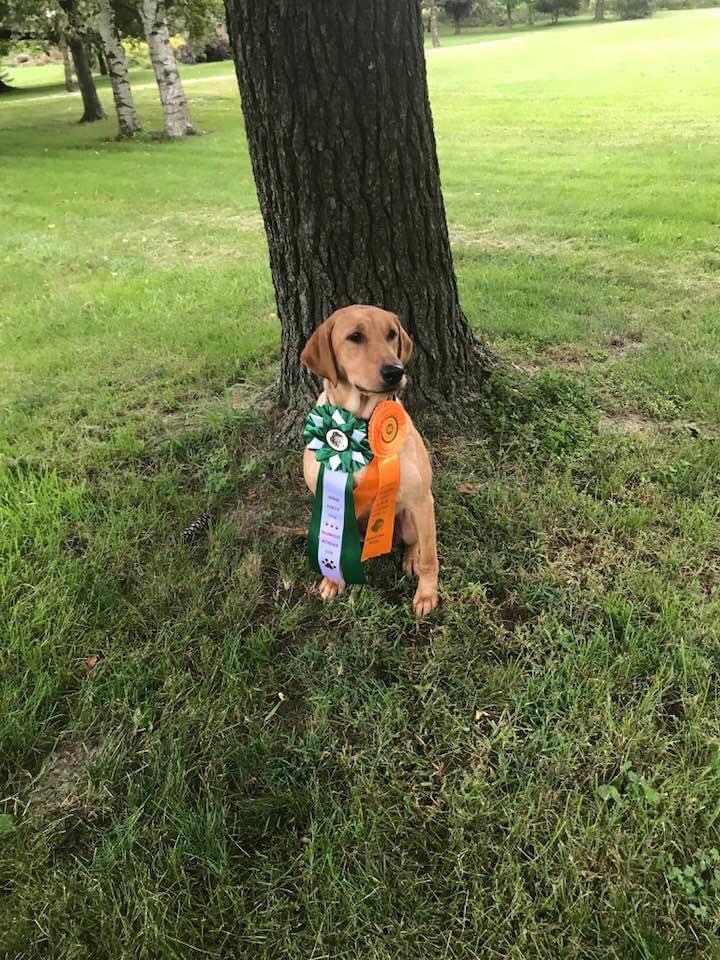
[
  {"x": 458, "y": 10},
  {"x": 553, "y": 418},
  {"x": 558, "y": 8},
  {"x": 629, "y": 788},
  {"x": 699, "y": 883},
  {"x": 196, "y": 18},
  {"x": 633, "y": 9},
  {"x": 137, "y": 52}
]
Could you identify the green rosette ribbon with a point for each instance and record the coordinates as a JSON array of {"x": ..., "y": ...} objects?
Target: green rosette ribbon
[{"x": 339, "y": 441}]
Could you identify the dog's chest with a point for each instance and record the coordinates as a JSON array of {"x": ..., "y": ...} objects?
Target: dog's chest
[{"x": 409, "y": 476}]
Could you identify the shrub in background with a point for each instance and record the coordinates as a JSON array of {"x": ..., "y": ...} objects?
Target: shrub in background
[
  {"x": 633, "y": 9},
  {"x": 136, "y": 52}
]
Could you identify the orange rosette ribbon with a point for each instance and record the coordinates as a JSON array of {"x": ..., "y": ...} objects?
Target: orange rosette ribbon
[{"x": 387, "y": 432}]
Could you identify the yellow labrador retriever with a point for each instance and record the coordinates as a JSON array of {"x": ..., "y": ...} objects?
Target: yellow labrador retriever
[{"x": 361, "y": 353}]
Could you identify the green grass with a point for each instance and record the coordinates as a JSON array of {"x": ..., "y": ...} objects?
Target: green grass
[{"x": 532, "y": 772}]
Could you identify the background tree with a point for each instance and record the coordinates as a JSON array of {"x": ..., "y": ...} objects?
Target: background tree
[
  {"x": 172, "y": 96},
  {"x": 458, "y": 10},
  {"x": 346, "y": 170},
  {"x": 128, "y": 122},
  {"x": 599, "y": 11},
  {"x": 509, "y": 7},
  {"x": 100, "y": 57},
  {"x": 433, "y": 23},
  {"x": 78, "y": 41},
  {"x": 67, "y": 66},
  {"x": 633, "y": 9},
  {"x": 558, "y": 8}
]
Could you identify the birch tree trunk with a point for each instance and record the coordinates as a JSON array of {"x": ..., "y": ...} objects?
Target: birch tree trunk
[
  {"x": 128, "y": 123},
  {"x": 342, "y": 145},
  {"x": 172, "y": 95},
  {"x": 67, "y": 66}
]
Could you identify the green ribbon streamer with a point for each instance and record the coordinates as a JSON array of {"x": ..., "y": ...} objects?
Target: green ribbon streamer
[
  {"x": 341, "y": 455},
  {"x": 351, "y": 548}
]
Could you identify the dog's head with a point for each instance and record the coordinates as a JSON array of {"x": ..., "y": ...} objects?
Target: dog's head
[{"x": 360, "y": 347}]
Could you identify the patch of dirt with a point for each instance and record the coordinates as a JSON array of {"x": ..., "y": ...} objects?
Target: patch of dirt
[
  {"x": 64, "y": 786},
  {"x": 631, "y": 423},
  {"x": 563, "y": 356},
  {"x": 701, "y": 432},
  {"x": 622, "y": 346},
  {"x": 578, "y": 359},
  {"x": 489, "y": 238},
  {"x": 587, "y": 563}
]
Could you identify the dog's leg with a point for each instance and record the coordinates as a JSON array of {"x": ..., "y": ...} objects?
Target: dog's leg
[
  {"x": 409, "y": 536},
  {"x": 426, "y": 565},
  {"x": 329, "y": 588}
]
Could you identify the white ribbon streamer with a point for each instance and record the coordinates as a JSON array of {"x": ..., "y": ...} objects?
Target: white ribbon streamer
[{"x": 332, "y": 523}]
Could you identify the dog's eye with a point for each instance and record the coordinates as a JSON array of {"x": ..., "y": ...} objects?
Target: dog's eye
[
  {"x": 356, "y": 337},
  {"x": 392, "y": 335}
]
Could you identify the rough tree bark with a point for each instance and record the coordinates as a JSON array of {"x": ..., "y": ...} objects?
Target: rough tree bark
[
  {"x": 67, "y": 65},
  {"x": 172, "y": 95},
  {"x": 128, "y": 122},
  {"x": 434, "y": 33},
  {"x": 599, "y": 10},
  {"x": 343, "y": 151},
  {"x": 92, "y": 108}
]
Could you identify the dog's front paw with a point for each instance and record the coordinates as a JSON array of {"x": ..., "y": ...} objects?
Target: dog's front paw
[
  {"x": 425, "y": 600},
  {"x": 328, "y": 588}
]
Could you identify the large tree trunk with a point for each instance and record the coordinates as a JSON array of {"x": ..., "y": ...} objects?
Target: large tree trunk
[
  {"x": 509, "y": 10},
  {"x": 172, "y": 95},
  {"x": 67, "y": 66},
  {"x": 343, "y": 151},
  {"x": 434, "y": 32},
  {"x": 128, "y": 123},
  {"x": 458, "y": 26},
  {"x": 599, "y": 10}
]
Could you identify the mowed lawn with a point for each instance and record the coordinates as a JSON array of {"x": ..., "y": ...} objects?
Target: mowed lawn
[{"x": 199, "y": 759}]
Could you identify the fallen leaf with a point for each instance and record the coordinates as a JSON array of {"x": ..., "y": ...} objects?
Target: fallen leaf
[
  {"x": 468, "y": 488},
  {"x": 91, "y": 663}
]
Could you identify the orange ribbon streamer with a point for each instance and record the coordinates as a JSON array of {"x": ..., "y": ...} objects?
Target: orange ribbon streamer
[{"x": 387, "y": 431}]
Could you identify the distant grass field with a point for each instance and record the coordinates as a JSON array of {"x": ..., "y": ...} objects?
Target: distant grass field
[{"x": 199, "y": 759}]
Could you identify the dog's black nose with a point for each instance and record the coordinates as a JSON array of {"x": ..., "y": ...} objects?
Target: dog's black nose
[{"x": 392, "y": 373}]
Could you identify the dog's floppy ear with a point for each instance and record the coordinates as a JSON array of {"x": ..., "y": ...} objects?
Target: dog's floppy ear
[
  {"x": 405, "y": 344},
  {"x": 319, "y": 356}
]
